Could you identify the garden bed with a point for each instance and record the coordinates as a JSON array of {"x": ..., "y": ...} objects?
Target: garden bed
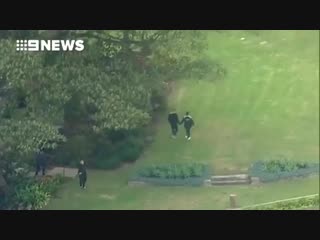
[
  {"x": 302, "y": 203},
  {"x": 192, "y": 174},
  {"x": 32, "y": 193},
  {"x": 275, "y": 170}
]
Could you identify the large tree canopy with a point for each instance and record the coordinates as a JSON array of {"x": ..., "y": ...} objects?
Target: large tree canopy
[{"x": 111, "y": 81}]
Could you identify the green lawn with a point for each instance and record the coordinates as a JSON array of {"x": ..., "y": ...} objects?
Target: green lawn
[{"x": 268, "y": 104}]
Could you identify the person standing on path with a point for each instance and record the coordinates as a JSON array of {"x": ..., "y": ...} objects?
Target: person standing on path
[
  {"x": 173, "y": 120},
  {"x": 40, "y": 163},
  {"x": 82, "y": 172},
  {"x": 188, "y": 124}
]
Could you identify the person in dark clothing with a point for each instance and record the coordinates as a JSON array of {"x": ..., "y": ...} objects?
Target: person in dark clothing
[
  {"x": 188, "y": 124},
  {"x": 40, "y": 163},
  {"x": 82, "y": 172},
  {"x": 173, "y": 120}
]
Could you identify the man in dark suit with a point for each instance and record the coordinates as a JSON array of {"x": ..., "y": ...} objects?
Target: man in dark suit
[{"x": 173, "y": 120}]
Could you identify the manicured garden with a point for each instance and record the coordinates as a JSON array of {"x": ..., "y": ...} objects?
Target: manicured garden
[
  {"x": 278, "y": 169},
  {"x": 192, "y": 174},
  {"x": 254, "y": 97},
  {"x": 265, "y": 106}
]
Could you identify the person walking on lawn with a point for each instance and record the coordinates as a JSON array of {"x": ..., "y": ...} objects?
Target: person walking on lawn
[
  {"x": 173, "y": 120},
  {"x": 82, "y": 172},
  {"x": 188, "y": 124}
]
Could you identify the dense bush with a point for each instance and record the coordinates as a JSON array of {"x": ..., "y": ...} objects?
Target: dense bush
[
  {"x": 70, "y": 153},
  {"x": 107, "y": 151},
  {"x": 31, "y": 196},
  {"x": 131, "y": 148},
  {"x": 107, "y": 162},
  {"x": 297, "y": 204},
  {"x": 51, "y": 184},
  {"x": 158, "y": 100},
  {"x": 31, "y": 193},
  {"x": 173, "y": 174},
  {"x": 282, "y": 168},
  {"x": 117, "y": 148}
]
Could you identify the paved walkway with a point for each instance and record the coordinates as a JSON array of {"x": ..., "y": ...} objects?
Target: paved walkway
[{"x": 67, "y": 172}]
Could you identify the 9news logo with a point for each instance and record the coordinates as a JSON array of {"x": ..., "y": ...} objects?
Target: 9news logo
[{"x": 50, "y": 45}]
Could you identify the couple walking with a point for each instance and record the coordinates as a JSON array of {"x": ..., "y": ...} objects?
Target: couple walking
[{"x": 187, "y": 121}]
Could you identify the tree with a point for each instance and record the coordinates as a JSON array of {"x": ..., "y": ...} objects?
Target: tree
[{"x": 111, "y": 82}]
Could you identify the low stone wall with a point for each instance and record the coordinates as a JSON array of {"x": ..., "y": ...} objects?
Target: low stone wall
[
  {"x": 212, "y": 181},
  {"x": 66, "y": 172},
  {"x": 237, "y": 179}
]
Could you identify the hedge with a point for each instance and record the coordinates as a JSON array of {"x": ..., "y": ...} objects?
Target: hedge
[
  {"x": 258, "y": 170},
  {"x": 161, "y": 181},
  {"x": 296, "y": 204}
]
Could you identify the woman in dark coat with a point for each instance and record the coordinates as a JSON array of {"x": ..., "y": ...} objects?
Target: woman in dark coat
[{"x": 82, "y": 172}]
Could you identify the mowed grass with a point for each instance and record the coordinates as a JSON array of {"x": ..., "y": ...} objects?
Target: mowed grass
[
  {"x": 268, "y": 104},
  {"x": 109, "y": 191}
]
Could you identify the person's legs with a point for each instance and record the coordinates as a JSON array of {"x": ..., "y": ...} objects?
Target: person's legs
[
  {"x": 37, "y": 170},
  {"x": 81, "y": 181},
  {"x": 43, "y": 171},
  {"x": 188, "y": 133},
  {"x": 174, "y": 129},
  {"x": 84, "y": 182}
]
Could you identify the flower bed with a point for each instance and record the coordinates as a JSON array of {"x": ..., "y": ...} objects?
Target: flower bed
[
  {"x": 274, "y": 170},
  {"x": 192, "y": 174}
]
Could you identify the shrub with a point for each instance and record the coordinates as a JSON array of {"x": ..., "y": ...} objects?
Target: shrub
[
  {"x": 174, "y": 171},
  {"x": 51, "y": 184},
  {"x": 173, "y": 174},
  {"x": 121, "y": 146},
  {"x": 131, "y": 149},
  {"x": 275, "y": 166},
  {"x": 103, "y": 151},
  {"x": 33, "y": 194},
  {"x": 108, "y": 163},
  {"x": 277, "y": 169},
  {"x": 76, "y": 148},
  {"x": 158, "y": 100}
]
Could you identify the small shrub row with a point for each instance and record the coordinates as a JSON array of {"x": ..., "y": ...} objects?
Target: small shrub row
[
  {"x": 283, "y": 165},
  {"x": 173, "y": 171},
  {"x": 298, "y": 204},
  {"x": 277, "y": 169},
  {"x": 192, "y": 174}
]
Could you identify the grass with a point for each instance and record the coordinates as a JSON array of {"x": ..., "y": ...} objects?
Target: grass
[
  {"x": 110, "y": 191},
  {"x": 268, "y": 104}
]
